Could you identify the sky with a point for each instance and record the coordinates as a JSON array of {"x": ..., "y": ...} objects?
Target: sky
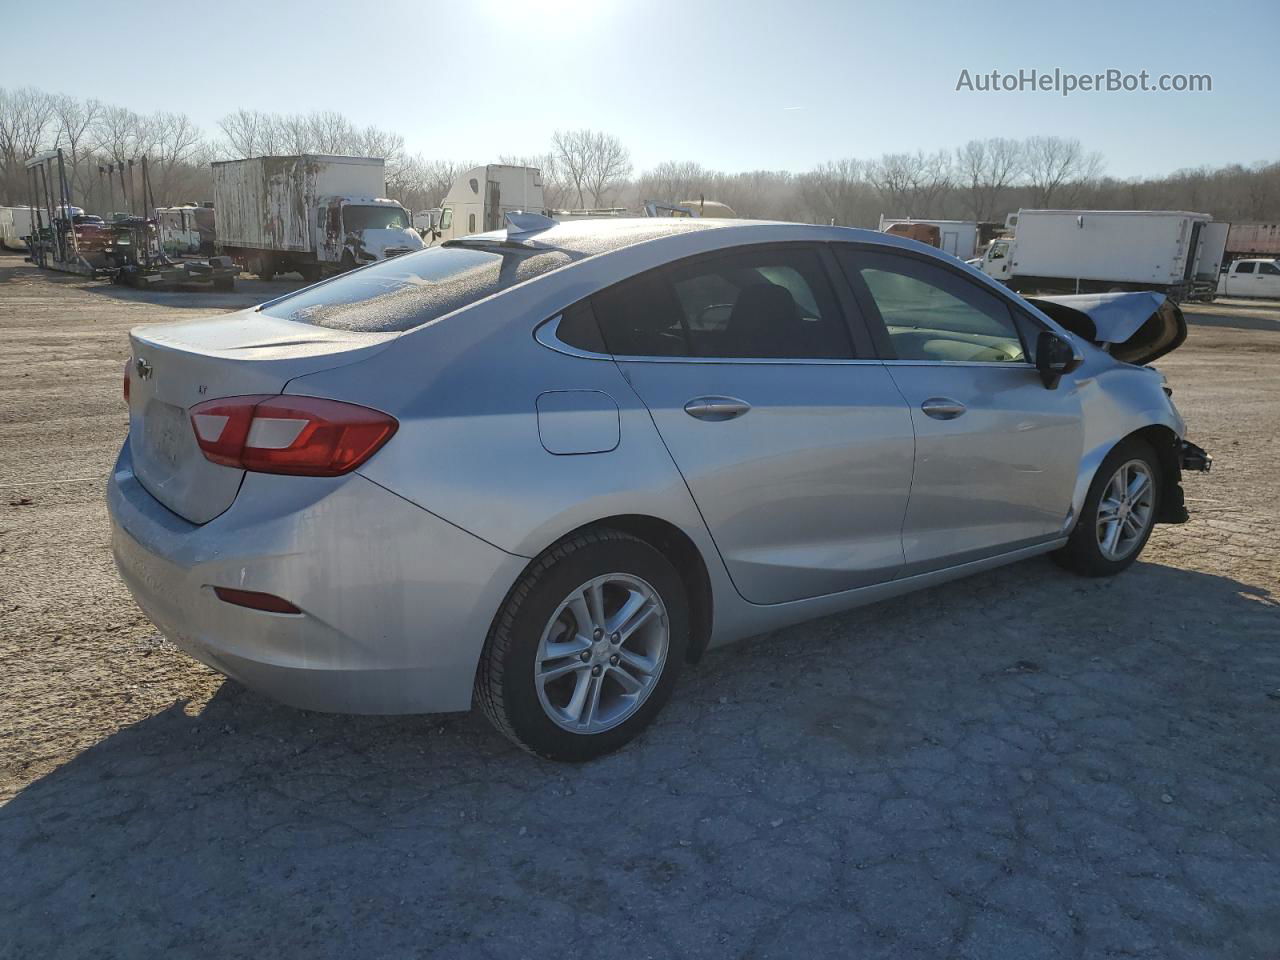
[{"x": 732, "y": 84}]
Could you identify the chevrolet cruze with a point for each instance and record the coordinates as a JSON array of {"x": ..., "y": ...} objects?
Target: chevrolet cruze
[{"x": 545, "y": 467}]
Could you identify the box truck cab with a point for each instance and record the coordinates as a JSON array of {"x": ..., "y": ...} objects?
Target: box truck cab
[
  {"x": 480, "y": 199},
  {"x": 1251, "y": 278}
]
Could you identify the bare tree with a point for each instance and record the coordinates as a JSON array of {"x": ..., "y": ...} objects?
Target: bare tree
[
  {"x": 986, "y": 168},
  {"x": 27, "y": 118},
  {"x": 75, "y": 120},
  {"x": 673, "y": 181},
  {"x": 1057, "y": 168},
  {"x": 837, "y": 193},
  {"x": 912, "y": 183},
  {"x": 572, "y": 154},
  {"x": 608, "y": 167}
]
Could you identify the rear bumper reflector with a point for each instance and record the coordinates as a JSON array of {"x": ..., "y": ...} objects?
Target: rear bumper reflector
[{"x": 255, "y": 601}]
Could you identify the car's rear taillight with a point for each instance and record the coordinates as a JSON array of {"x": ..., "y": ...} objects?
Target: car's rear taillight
[
  {"x": 127, "y": 364},
  {"x": 305, "y": 436}
]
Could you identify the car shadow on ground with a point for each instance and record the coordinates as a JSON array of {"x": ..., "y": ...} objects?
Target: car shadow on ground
[{"x": 1019, "y": 764}]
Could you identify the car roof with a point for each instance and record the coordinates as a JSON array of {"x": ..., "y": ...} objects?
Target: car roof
[{"x": 587, "y": 237}]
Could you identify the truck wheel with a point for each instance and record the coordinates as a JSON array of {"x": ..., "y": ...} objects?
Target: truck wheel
[
  {"x": 1119, "y": 513},
  {"x": 586, "y": 648},
  {"x": 348, "y": 262},
  {"x": 310, "y": 272}
]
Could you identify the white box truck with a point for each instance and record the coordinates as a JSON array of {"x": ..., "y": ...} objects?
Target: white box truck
[
  {"x": 15, "y": 223},
  {"x": 309, "y": 214},
  {"x": 1096, "y": 251},
  {"x": 481, "y": 198},
  {"x": 960, "y": 238}
]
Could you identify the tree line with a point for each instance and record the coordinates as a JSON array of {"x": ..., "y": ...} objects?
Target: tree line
[{"x": 983, "y": 179}]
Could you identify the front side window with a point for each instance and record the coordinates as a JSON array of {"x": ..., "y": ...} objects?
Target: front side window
[
  {"x": 1246, "y": 267},
  {"x": 766, "y": 303},
  {"x": 931, "y": 313}
]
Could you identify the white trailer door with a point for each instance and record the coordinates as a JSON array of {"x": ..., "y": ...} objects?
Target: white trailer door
[
  {"x": 951, "y": 242},
  {"x": 1213, "y": 245}
]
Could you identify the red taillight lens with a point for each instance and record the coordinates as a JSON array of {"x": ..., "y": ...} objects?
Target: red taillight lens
[
  {"x": 128, "y": 363},
  {"x": 305, "y": 436}
]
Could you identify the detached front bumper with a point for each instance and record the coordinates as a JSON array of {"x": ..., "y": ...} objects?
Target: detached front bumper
[
  {"x": 1194, "y": 458},
  {"x": 395, "y": 602},
  {"x": 1173, "y": 507}
]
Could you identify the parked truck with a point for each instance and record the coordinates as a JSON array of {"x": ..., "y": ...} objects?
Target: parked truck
[
  {"x": 960, "y": 238},
  {"x": 1251, "y": 278},
  {"x": 187, "y": 230},
  {"x": 15, "y": 223},
  {"x": 1253, "y": 240},
  {"x": 1091, "y": 251},
  {"x": 480, "y": 199},
  {"x": 309, "y": 214}
]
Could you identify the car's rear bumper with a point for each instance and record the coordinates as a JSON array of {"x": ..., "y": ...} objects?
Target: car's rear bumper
[{"x": 395, "y": 602}]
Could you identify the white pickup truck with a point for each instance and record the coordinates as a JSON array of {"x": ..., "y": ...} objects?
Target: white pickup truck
[{"x": 1251, "y": 278}]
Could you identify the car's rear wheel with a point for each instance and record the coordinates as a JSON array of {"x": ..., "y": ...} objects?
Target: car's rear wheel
[
  {"x": 1119, "y": 513},
  {"x": 586, "y": 648}
]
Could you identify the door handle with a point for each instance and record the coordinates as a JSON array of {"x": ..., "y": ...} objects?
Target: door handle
[
  {"x": 716, "y": 408},
  {"x": 943, "y": 408}
]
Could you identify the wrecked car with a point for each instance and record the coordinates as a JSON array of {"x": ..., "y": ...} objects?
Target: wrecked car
[{"x": 543, "y": 468}]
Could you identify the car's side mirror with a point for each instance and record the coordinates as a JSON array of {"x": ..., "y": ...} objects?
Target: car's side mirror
[{"x": 1055, "y": 357}]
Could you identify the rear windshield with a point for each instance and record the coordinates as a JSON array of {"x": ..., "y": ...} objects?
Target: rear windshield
[{"x": 415, "y": 288}]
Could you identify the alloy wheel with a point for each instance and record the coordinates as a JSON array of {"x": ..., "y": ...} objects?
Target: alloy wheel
[
  {"x": 602, "y": 653},
  {"x": 1125, "y": 510}
]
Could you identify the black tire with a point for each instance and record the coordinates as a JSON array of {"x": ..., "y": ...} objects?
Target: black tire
[
  {"x": 348, "y": 262},
  {"x": 1082, "y": 553},
  {"x": 505, "y": 686},
  {"x": 310, "y": 272}
]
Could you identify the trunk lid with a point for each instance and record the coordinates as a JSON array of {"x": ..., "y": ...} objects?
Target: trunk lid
[
  {"x": 174, "y": 366},
  {"x": 1133, "y": 327}
]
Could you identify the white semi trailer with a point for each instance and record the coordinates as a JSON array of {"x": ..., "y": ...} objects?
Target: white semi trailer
[
  {"x": 481, "y": 198},
  {"x": 15, "y": 223},
  {"x": 309, "y": 214},
  {"x": 1093, "y": 251}
]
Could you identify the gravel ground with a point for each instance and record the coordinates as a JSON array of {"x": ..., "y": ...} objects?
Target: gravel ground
[{"x": 1020, "y": 765}]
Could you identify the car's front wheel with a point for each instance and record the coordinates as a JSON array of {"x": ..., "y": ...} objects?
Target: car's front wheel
[
  {"x": 586, "y": 648},
  {"x": 1119, "y": 513}
]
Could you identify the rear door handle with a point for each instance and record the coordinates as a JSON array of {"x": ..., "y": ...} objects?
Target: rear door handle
[
  {"x": 943, "y": 408},
  {"x": 716, "y": 408}
]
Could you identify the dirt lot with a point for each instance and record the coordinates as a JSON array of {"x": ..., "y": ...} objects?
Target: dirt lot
[{"x": 1020, "y": 765}]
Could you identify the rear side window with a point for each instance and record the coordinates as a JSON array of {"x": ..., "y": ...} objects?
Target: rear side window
[
  {"x": 931, "y": 313},
  {"x": 761, "y": 303},
  {"x": 1268, "y": 268},
  {"x": 414, "y": 289}
]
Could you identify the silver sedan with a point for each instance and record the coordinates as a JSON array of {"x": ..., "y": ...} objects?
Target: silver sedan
[{"x": 545, "y": 467}]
